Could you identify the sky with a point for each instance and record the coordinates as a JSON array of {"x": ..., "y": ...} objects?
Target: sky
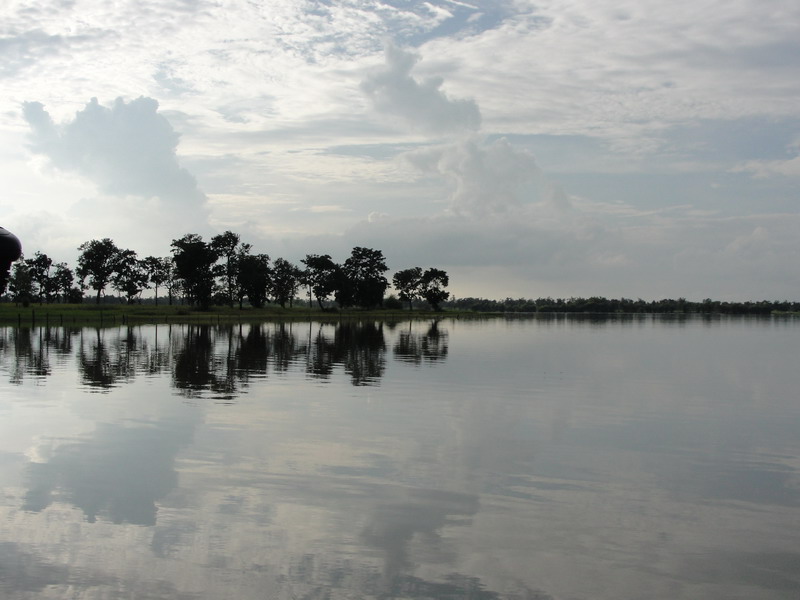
[{"x": 559, "y": 148}]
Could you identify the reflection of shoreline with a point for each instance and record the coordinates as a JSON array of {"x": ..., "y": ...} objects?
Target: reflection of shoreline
[{"x": 219, "y": 360}]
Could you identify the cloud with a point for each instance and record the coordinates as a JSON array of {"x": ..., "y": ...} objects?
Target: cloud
[
  {"x": 622, "y": 71},
  {"x": 322, "y": 208},
  {"x": 128, "y": 149},
  {"x": 422, "y": 104},
  {"x": 637, "y": 107},
  {"x": 583, "y": 253},
  {"x": 487, "y": 177},
  {"x": 764, "y": 169},
  {"x": 22, "y": 51}
]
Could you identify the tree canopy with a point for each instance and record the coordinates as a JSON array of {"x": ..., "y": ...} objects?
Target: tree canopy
[
  {"x": 223, "y": 271},
  {"x": 364, "y": 271},
  {"x": 194, "y": 265},
  {"x": 97, "y": 262}
]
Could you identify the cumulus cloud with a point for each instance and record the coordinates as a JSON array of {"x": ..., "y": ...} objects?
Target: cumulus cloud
[
  {"x": 128, "y": 149},
  {"x": 759, "y": 243},
  {"x": 422, "y": 104},
  {"x": 487, "y": 177}
]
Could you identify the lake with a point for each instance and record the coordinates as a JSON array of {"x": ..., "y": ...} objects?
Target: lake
[{"x": 521, "y": 459}]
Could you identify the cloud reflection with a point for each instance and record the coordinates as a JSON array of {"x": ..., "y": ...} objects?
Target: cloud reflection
[{"x": 119, "y": 472}]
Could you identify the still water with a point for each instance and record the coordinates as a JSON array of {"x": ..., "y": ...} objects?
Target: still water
[{"x": 528, "y": 459}]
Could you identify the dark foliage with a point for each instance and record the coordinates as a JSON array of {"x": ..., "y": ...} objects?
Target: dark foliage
[{"x": 599, "y": 304}]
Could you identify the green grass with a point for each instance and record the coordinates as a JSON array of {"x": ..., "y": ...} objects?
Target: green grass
[{"x": 117, "y": 314}]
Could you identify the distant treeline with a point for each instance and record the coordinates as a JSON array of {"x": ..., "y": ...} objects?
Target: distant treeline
[
  {"x": 224, "y": 271},
  {"x": 599, "y": 304}
]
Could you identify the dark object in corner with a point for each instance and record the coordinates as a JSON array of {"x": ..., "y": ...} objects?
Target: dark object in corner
[{"x": 10, "y": 250}]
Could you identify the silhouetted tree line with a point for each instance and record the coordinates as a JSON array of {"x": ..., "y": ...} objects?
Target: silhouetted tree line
[
  {"x": 222, "y": 271},
  {"x": 599, "y": 304}
]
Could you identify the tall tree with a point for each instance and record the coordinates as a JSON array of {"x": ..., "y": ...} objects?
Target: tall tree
[
  {"x": 344, "y": 291},
  {"x": 20, "y": 284},
  {"x": 39, "y": 269},
  {"x": 239, "y": 292},
  {"x": 97, "y": 262},
  {"x": 194, "y": 265},
  {"x": 158, "y": 271},
  {"x": 254, "y": 278},
  {"x": 320, "y": 276},
  {"x": 62, "y": 280},
  {"x": 172, "y": 282},
  {"x": 130, "y": 275},
  {"x": 226, "y": 246},
  {"x": 364, "y": 270},
  {"x": 408, "y": 284},
  {"x": 285, "y": 281},
  {"x": 433, "y": 283}
]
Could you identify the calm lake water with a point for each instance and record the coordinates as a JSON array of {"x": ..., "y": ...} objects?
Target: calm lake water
[{"x": 559, "y": 458}]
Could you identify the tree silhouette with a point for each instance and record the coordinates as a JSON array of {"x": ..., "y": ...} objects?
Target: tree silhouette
[
  {"x": 194, "y": 262},
  {"x": 97, "y": 262},
  {"x": 433, "y": 283},
  {"x": 320, "y": 276},
  {"x": 226, "y": 246},
  {"x": 39, "y": 269},
  {"x": 20, "y": 284},
  {"x": 158, "y": 272},
  {"x": 285, "y": 281},
  {"x": 130, "y": 275},
  {"x": 364, "y": 270},
  {"x": 254, "y": 278},
  {"x": 62, "y": 280},
  {"x": 408, "y": 283},
  {"x": 223, "y": 271}
]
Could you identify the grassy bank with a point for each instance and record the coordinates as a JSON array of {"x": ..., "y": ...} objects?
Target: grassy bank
[{"x": 121, "y": 314}]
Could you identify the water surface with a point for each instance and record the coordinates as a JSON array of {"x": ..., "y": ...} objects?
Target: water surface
[{"x": 501, "y": 459}]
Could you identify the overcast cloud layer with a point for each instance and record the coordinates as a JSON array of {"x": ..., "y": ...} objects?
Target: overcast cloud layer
[{"x": 623, "y": 148}]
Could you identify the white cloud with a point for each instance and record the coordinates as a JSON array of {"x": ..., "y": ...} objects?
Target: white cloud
[
  {"x": 422, "y": 104},
  {"x": 128, "y": 149},
  {"x": 617, "y": 98},
  {"x": 488, "y": 177},
  {"x": 626, "y": 69}
]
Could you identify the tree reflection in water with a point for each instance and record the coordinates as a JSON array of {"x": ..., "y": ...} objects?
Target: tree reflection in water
[
  {"x": 192, "y": 367},
  {"x": 284, "y": 347},
  {"x": 322, "y": 354},
  {"x": 106, "y": 361},
  {"x": 122, "y": 472},
  {"x": 218, "y": 360},
  {"x": 30, "y": 352},
  {"x": 361, "y": 347},
  {"x": 415, "y": 347},
  {"x": 94, "y": 361}
]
